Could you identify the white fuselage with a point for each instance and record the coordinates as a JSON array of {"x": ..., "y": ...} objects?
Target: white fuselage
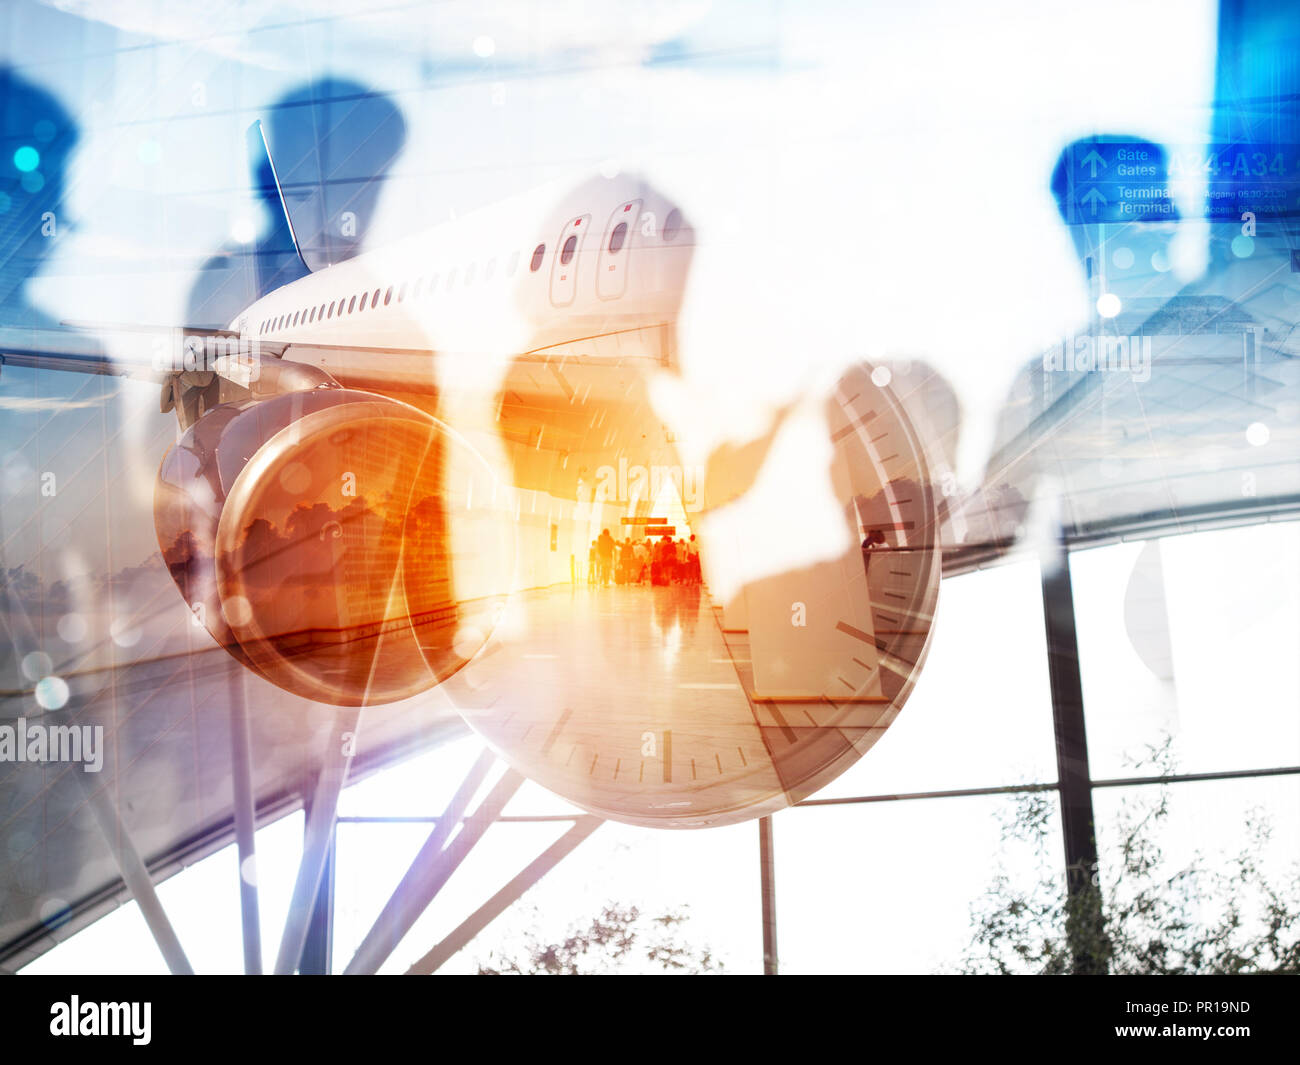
[{"x": 546, "y": 268}]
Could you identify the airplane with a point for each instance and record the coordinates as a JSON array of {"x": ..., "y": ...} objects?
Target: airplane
[{"x": 376, "y": 458}]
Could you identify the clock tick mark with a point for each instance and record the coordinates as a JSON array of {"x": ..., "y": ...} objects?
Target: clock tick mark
[
  {"x": 555, "y": 732},
  {"x": 849, "y": 630}
]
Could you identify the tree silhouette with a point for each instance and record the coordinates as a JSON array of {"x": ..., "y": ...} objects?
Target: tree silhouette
[
  {"x": 619, "y": 939},
  {"x": 1238, "y": 916}
]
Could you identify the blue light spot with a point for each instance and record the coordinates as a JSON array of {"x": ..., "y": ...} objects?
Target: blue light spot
[
  {"x": 33, "y": 182},
  {"x": 5, "y": 203},
  {"x": 27, "y": 158},
  {"x": 1242, "y": 246},
  {"x": 44, "y": 130}
]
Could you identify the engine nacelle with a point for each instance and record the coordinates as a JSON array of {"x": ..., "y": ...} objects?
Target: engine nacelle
[{"x": 339, "y": 543}]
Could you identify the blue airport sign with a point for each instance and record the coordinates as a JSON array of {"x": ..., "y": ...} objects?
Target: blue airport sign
[{"x": 1134, "y": 181}]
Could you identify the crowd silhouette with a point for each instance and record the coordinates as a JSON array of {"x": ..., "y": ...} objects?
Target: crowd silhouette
[{"x": 656, "y": 561}]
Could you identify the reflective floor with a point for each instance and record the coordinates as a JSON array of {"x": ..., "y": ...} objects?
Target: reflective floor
[{"x": 633, "y": 705}]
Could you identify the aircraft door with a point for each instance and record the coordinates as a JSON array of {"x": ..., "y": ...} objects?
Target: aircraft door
[
  {"x": 564, "y": 267},
  {"x": 616, "y": 251}
]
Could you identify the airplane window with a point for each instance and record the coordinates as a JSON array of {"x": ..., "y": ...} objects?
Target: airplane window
[
  {"x": 401, "y": 292},
  {"x": 388, "y": 296},
  {"x": 491, "y": 269},
  {"x": 469, "y": 273},
  {"x": 433, "y": 286},
  {"x": 415, "y": 290},
  {"x": 312, "y": 317},
  {"x": 513, "y": 263},
  {"x": 330, "y": 312},
  {"x": 295, "y": 317},
  {"x": 352, "y": 304},
  {"x": 363, "y": 298},
  {"x": 451, "y": 279},
  {"x": 321, "y": 315},
  {"x": 566, "y": 253},
  {"x": 617, "y": 238},
  {"x": 672, "y": 224},
  {"x": 374, "y": 300},
  {"x": 539, "y": 253}
]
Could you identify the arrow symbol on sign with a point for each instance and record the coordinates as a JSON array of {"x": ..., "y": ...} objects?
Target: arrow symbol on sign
[
  {"x": 1093, "y": 197},
  {"x": 1092, "y": 159}
]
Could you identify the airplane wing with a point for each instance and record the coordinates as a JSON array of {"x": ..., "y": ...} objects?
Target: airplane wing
[
  {"x": 144, "y": 351},
  {"x": 196, "y": 367},
  {"x": 59, "y": 349}
]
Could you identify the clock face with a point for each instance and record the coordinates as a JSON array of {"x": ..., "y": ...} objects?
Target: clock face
[{"x": 657, "y": 705}]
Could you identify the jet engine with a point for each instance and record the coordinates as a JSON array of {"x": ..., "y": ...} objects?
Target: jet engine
[{"x": 341, "y": 544}]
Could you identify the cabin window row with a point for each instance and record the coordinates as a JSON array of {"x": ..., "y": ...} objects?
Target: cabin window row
[
  {"x": 422, "y": 287},
  {"x": 357, "y": 304}
]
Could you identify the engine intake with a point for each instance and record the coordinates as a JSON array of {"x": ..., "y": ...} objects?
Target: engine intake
[{"x": 341, "y": 544}]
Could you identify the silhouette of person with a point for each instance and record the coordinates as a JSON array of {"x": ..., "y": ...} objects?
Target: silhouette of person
[
  {"x": 332, "y": 143},
  {"x": 1126, "y": 263},
  {"x": 38, "y": 138},
  {"x": 605, "y": 548},
  {"x": 48, "y": 419}
]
